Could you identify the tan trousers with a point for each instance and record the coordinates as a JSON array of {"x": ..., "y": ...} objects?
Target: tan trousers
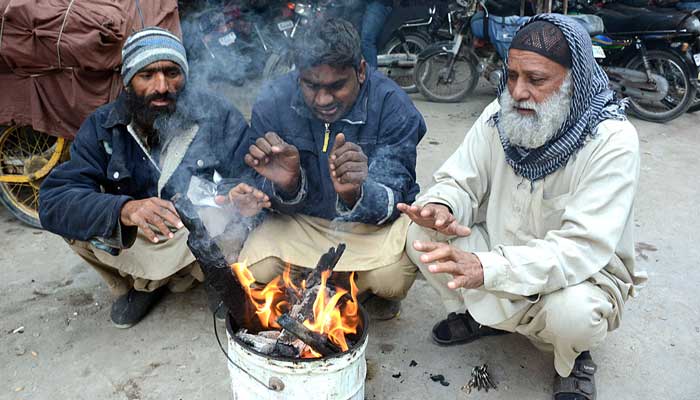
[
  {"x": 391, "y": 282},
  {"x": 566, "y": 322},
  {"x": 145, "y": 266}
]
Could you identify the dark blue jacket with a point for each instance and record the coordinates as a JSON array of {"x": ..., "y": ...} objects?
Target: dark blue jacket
[
  {"x": 383, "y": 121},
  {"x": 82, "y": 198}
]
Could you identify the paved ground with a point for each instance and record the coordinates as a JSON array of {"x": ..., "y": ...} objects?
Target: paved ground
[{"x": 69, "y": 350}]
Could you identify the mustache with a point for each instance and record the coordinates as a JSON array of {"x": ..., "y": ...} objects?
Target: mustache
[
  {"x": 526, "y": 105},
  {"x": 172, "y": 96}
]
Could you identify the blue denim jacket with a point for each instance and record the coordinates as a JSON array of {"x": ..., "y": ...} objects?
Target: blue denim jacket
[
  {"x": 383, "y": 121},
  {"x": 82, "y": 198}
]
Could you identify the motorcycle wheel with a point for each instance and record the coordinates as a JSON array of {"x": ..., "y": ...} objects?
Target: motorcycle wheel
[
  {"x": 404, "y": 77},
  {"x": 436, "y": 84},
  {"x": 696, "y": 103},
  {"x": 277, "y": 64},
  {"x": 681, "y": 92}
]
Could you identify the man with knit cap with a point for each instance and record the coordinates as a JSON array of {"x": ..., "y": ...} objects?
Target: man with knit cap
[
  {"x": 528, "y": 227},
  {"x": 110, "y": 201}
]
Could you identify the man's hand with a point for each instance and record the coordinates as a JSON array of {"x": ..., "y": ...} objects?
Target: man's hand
[
  {"x": 151, "y": 213},
  {"x": 246, "y": 199},
  {"x": 435, "y": 216},
  {"x": 465, "y": 267},
  {"x": 348, "y": 166},
  {"x": 276, "y": 160}
]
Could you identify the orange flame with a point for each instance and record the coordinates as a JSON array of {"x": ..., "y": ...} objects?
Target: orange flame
[{"x": 332, "y": 316}]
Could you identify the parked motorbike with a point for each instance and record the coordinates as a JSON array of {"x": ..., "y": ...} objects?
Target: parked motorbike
[
  {"x": 641, "y": 46},
  {"x": 407, "y": 32},
  {"x": 448, "y": 71}
]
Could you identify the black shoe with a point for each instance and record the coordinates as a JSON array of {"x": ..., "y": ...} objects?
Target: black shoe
[
  {"x": 129, "y": 309},
  {"x": 461, "y": 328},
  {"x": 379, "y": 308},
  {"x": 216, "y": 306},
  {"x": 580, "y": 384}
]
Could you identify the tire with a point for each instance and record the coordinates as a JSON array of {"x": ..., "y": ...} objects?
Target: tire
[
  {"x": 695, "y": 106},
  {"x": 681, "y": 92},
  {"x": 277, "y": 64},
  {"x": 26, "y": 157},
  {"x": 404, "y": 77},
  {"x": 464, "y": 78}
]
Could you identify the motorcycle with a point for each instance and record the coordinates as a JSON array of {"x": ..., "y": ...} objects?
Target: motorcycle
[
  {"x": 448, "y": 71},
  {"x": 657, "y": 68}
]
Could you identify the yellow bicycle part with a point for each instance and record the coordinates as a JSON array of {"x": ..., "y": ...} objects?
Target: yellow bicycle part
[{"x": 26, "y": 157}]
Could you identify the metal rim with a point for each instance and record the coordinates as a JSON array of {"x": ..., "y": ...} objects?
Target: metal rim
[
  {"x": 26, "y": 157},
  {"x": 462, "y": 78}
]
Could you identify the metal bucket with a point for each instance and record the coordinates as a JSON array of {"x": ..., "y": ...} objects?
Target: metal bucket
[{"x": 337, "y": 377}]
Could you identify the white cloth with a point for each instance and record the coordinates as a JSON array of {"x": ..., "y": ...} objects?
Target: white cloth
[{"x": 574, "y": 225}]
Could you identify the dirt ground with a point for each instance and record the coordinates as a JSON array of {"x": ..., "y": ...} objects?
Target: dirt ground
[{"x": 57, "y": 342}]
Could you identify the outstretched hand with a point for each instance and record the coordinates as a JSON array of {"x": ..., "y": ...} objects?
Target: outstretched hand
[
  {"x": 276, "y": 160},
  {"x": 465, "y": 267},
  {"x": 436, "y": 217},
  {"x": 248, "y": 200}
]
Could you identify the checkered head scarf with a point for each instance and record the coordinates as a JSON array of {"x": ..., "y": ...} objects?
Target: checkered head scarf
[
  {"x": 592, "y": 101},
  {"x": 149, "y": 45}
]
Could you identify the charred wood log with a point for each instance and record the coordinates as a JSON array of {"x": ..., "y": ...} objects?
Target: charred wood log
[
  {"x": 315, "y": 340},
  {"x": 218, "y": 274}
]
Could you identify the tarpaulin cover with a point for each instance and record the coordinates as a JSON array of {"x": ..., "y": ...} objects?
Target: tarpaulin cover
[{"x": 60, "y": 59}]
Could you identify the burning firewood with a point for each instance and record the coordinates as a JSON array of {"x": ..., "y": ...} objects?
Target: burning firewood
[
  {"x": 318, "y": 342},
  {"x": 314, "y": 316}
]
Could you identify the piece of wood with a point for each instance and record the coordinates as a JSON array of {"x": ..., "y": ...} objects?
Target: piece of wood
[
  {"x": 259, "y": 343},
  {"x": 315, "y": 340},
  {"x": 217, "y": 272}
]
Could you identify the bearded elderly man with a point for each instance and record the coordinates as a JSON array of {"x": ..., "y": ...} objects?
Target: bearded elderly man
[
  {"x": 333, "y": 145},
  {"x": 530, "y": 221},
  {"x": 110, "y": 200}
]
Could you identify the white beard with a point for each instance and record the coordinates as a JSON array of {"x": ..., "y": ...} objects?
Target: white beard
[{"x": 533, "y": 131}]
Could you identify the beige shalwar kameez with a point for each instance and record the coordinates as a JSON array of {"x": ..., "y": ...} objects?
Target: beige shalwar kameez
[{"x": 557, "y": 253}]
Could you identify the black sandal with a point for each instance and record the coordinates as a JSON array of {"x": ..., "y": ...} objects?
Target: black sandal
[
  {"x": 461, "y": 328},
  {"x": 580, "y": 384}
]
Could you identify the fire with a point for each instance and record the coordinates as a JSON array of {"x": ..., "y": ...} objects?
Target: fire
[{"x": 333, "y": 316}]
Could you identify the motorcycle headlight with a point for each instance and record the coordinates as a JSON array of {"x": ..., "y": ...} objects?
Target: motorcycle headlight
[{"x": 302, "y": 9}]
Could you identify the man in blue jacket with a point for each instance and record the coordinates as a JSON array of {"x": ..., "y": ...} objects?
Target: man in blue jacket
[
  {"x": 110, "y": 201},
  {"x": 334, "y": 148}
]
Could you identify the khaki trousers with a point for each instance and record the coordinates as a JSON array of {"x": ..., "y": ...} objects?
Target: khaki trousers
[
  {"x": 390, "y": 282},
  {"x": 566, "y": 322},
  {"x": 145, "y": 266}
]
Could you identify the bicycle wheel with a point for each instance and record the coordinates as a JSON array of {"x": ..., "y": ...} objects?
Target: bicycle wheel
[{"x": 26, "y": 157}]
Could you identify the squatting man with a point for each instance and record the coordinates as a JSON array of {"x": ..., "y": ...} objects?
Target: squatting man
[
  {"x": 108, "y": 200},
  {"x": 529, "y": 223}
]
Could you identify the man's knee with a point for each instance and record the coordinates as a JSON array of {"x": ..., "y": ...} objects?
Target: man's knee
[
  {"x": 267, "y": 269},
  {"x": 578, "y": 314},
  {"x": 415, "y": 232},
  {"x": 392, "y": 282}
]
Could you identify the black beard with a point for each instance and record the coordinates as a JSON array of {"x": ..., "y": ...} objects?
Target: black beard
[{"x": 143, "y": 113}]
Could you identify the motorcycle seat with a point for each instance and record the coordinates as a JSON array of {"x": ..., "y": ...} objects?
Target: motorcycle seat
[{"x": 619, "y": 18}]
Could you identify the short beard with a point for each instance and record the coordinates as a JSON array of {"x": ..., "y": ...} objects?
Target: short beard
[{"x": 533, "y": 131}]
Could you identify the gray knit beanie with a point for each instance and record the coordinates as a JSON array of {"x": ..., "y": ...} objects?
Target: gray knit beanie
[{"x": 149, "y": 45}]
